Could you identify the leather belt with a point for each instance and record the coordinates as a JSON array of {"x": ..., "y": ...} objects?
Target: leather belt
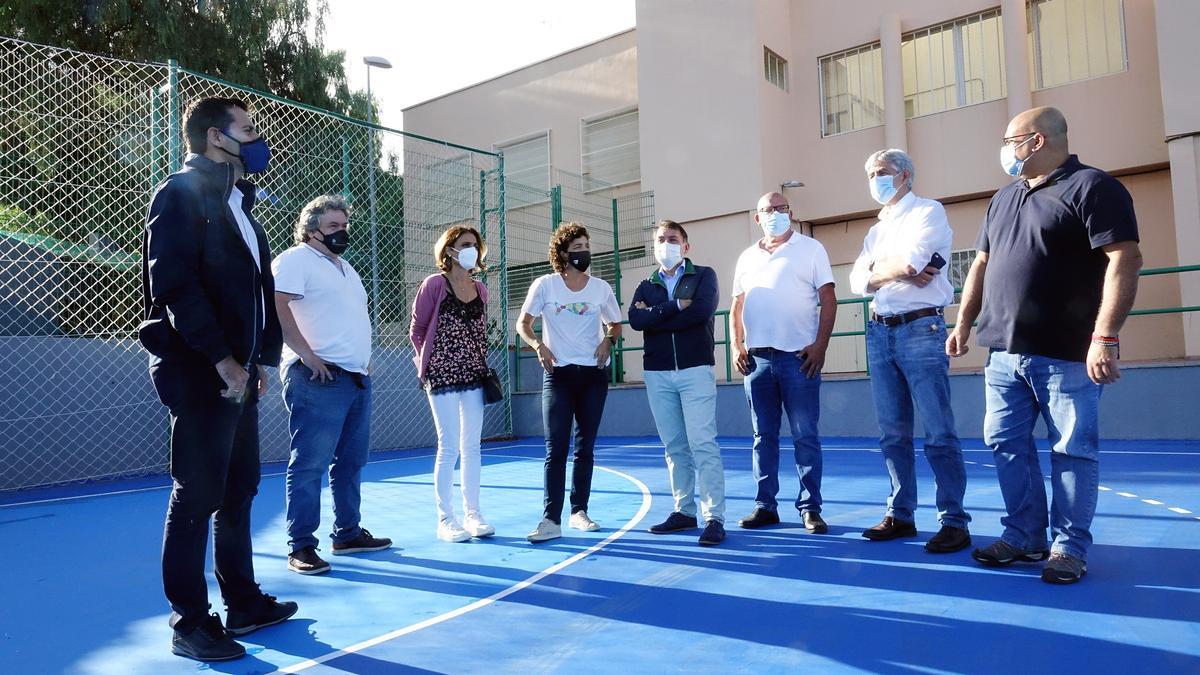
[{"x": 901, "y": 319}]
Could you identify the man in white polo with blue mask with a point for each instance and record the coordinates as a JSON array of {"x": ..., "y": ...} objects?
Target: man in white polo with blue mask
[
  {"x": 780, "y": 337},
  {"x": 902, "y": 263}
]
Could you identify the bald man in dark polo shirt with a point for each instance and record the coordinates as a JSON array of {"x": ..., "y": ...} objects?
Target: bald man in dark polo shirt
[{"x": 1055, "y": 276}]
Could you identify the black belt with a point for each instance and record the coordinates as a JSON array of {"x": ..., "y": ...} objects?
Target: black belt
[
  {"x": 766, "y": 351},
  {"x": 354, "y": 375},
  {"x": 901, "y": 319}
]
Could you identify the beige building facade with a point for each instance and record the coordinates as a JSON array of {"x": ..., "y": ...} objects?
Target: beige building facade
[{"x": 710, "y": 103}]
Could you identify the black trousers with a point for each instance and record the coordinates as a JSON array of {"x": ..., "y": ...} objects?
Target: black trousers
[
  {"x": 215, "y": 470},
  {"x": 572, "y": 396}
]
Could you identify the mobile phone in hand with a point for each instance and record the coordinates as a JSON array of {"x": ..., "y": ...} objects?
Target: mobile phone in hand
[{"x": 937, "y": 261}]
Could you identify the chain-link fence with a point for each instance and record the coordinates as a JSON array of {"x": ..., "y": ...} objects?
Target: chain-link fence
[{"x": 84, "y": 140}]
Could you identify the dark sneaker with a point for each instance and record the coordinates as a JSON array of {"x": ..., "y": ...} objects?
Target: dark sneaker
[
  {"x": 1063, "y": 569},
  {"x": 268, "y": 613},
  {"x": 208, "y": 641},
  {"x": 306, "y": 561},
  {"x": 363, "y": 543},
  {"x": 1001, "y": 553},
  {"x": 948, "y": 540},
  {"x": 674, "y": 523},
  {"x": 714, "y": 533},
  {"x": 813, "y": 522},
  {"x": 890, "y": 528},
  {"x": 760, "y": 518}
]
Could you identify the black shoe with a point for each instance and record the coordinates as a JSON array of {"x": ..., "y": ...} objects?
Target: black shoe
[
  {"x": 760, "y": 518},
  {"x": 1063, "y": 569},
  {"x": 948, "y": 540},
  {"x": 306, "y": 561},
  {"x": 674, "y": 523},
  {"x": 813, "y": 522},
  {"x": 268, "y": 612},
  {"x": 890, "y": 528},
  {"x": 714, "y": 533},
  {"x": 1001, "y": 553},
  {"x": 363, "y": 543},
  {"x": 208, "y": 641}
]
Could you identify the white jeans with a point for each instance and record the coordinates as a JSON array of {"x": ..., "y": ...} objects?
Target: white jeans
[
  {"x": 458, "y": 416},
  {"x": 684, "y": 405}
]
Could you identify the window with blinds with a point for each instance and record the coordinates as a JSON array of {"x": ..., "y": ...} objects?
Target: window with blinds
[{"x": 610, "y": 150}]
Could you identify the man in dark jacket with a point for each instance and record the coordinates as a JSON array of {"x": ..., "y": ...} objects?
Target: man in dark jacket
[
  {"x": 209, "y": 328},
  {"x": 674, "y": 310}
]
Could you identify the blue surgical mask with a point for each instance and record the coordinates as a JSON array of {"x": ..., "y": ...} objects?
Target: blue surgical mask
[
  {"x": 255, "y": 154},
  {"x": 882, "y": 189},
  {"x": 1008, "y": 157},
  {"x": 775, "y": 224}
]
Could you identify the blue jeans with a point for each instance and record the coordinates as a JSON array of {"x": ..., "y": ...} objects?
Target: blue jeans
[
  {"x": 684, "y": 405},
  {"x": 909, "y": 367},
  {"x": 776, "y": 385},
  {"x": 571, "y": 395},
  {"x": 1019, "y": 388},
  {"x": 330, "y": 424}
]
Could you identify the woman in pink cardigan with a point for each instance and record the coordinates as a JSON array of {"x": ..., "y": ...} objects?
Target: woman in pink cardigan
[{"x": 449, "y": 333}]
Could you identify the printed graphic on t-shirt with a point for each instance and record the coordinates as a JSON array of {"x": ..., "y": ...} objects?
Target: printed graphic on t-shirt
[{"x": 579, "y": 308}]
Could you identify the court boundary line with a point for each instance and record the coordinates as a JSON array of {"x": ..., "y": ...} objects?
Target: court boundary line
[{"x": 495, "y": 597}]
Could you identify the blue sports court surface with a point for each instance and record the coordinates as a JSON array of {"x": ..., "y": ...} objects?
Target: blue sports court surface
[{"x": 82, "y": 593}]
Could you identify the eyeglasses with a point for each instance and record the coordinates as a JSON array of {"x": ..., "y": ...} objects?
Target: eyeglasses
[
  {"x": 1016, "y": 140},
  {"x": 782, "y": 208}
]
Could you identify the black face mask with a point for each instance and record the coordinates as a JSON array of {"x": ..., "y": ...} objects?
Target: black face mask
[
  {"x": 580, "y": 260},
  {"x": 337, "y": 243}
]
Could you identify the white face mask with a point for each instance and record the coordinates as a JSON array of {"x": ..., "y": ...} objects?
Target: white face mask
[
  {"x": 775, "y": 224},
  {"x": 468, "y": 257},
  {"x": 668, "y": 255}
]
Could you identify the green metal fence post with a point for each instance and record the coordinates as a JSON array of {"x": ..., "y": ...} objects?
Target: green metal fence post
[
  {"x": 175, "y": 141},
  {"x": 555, "y": 207},
  {"x": 502, "y": 226},
  {"x": 618, "y": 371}
]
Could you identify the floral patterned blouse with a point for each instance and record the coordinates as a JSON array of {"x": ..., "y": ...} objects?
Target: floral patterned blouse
[{"x": 459, "y": 358}]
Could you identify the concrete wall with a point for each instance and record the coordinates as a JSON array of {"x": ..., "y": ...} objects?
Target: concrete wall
[{"x": 1151, "y": 402}]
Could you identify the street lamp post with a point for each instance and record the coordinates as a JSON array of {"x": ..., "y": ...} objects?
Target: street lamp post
[{"x": 376, "y": 62}]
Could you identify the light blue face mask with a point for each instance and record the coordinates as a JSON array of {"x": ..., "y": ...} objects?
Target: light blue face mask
[
  {"x": 882, "y": 189},
  {"x": 1008, "y": 158},
  {"x": 775, "y": 224}
]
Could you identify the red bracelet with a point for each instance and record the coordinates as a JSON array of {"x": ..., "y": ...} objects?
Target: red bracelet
[{"x": 1106, "y": 340}]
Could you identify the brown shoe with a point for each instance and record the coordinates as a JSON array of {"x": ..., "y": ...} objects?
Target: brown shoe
[
  {"x": 890, "y": 528},
  {"x": 948, "y": 540},
  {"x": 814, "y": 523}
]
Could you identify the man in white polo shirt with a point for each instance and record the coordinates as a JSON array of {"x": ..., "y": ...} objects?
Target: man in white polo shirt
[
  {"x": 780, "y": 341},
  {"x": 902, "y": 263},
  {"x": 326, "y": 370}
]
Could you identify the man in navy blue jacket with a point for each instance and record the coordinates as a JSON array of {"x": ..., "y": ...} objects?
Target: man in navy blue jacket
[
  {"x": 209, "y": 328},
  {"x": 674, "y": 310}
]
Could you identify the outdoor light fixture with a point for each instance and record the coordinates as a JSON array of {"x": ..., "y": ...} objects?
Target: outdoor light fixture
[
  {"x": 373, "y": 62},
  {"x": 790, "y": 183}
]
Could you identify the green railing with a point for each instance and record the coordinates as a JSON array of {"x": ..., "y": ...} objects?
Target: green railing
[{"x": 726, "y": 342}]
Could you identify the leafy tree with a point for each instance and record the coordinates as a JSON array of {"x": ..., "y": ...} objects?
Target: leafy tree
[{"x": 273, "y": 45}]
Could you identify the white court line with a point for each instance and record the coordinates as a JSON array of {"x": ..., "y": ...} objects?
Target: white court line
[
  {"x": 491, "y": 599},
  {"x": 1176, "y": 509},
  {"x": 1127, "y": 494},
  {"x": 1152, "y": 502}
]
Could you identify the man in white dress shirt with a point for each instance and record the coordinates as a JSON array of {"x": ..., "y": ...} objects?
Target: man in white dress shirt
[{"x": 902, "y": 263}]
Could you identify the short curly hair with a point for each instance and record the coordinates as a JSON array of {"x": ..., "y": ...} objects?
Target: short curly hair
[
  {"x": 310, "y": 216},
  {"x": 561, "y": 240}
]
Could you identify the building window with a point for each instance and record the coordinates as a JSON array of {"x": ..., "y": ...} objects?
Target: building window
[
  {"x": 851, "y": 90},
  {"x": 960, "y": 264},
  {"x": 775, "y": 69},
  {"x": 526, "y": 170},
  {"x": 954, "y": 64},
  {"x": 1072, "y": 40},
  {"x": 611, "y": 153}
]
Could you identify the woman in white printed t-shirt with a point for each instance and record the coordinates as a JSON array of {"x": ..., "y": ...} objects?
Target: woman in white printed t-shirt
[{"x": 580, "y": 322}]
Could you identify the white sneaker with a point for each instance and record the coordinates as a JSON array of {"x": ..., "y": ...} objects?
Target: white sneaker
[
  {"x": 476, "y": 526},
  {"x": 580, "y": 521},
  {"x": 449, "y": 530},
  {"x": 545, "y": 531}
]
